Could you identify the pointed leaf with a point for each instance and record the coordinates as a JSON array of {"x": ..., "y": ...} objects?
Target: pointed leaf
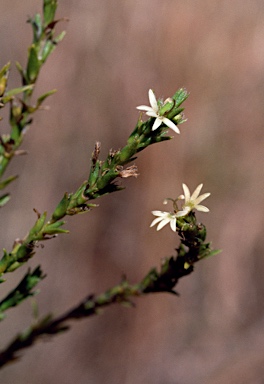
[
  {"x": 44, "y": 96},
  {"x": 4, "y": 199},
  {"x": 49, "y": 10},
  {"x": 7, "y": 181},
  {"x": 5, "y": 69},
  {"x": 61, "y": 208},
  {"x": 38, "y": 226},
  {"x": 47, "y": 50},
  {"x": 37, "y": 27},
  {"x": 3, "y": 78},
  {"x": 180, "y": 96},
  {"x": 21, "y": 71},
  {"x": 16, "y": 91},
  {"x": 166, "y": 107},
  {"x": 212, "y": 253},
  {"x": 54, "y": 228},
  {"x": 60, "y": 37},
  {"x": 33, "y": 64}
]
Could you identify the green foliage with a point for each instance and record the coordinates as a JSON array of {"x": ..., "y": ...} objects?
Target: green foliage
[
  {"x": 22, "y": 291},
  {"x": 49, "y": 10},
  {"x": 102, "y": 180},
  {"x": 21, "y": 110}
]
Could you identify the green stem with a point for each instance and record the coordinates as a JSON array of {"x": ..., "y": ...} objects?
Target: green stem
[{"x": 192, "y": 249}]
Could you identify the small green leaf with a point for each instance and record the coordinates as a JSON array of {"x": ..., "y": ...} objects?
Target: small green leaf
[
  {"x": 61, "y": 208},
  {"x": 55, "y": 231},
  {"x": 94, "y": 173},
  {"x": 49, "y": 10},
  {"x": 4, "y": 261},
  {"x": 38, "y": 226},
  {"x": 47, "y": 50},
  {"x": 180, "y": 96},
  {"x": 14, "y": 266},
  {"x": 166, "y": 107},
  {"x": 54, "y": 228},
  {"x": 23, "y": 290},
  {"x": 4, "y": 199},
  {"x": 4, "y": 70},
  {"x": 37, "y": 27},
  {"x": 213, "y": 253},
  {"x": 33, "y": 64},
  {"x": 44, "y": 96},
  {"x": 16, "y": 91},
  {"x": 21, "y": 71},
  {"x": 50, "y": 46},
  {"x": 7, "y": 181},
  {"x": 60, "y": 37},
  {"x": 3, "y": 78}
]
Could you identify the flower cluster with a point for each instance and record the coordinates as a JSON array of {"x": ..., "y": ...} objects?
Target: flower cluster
[
  {"x": 154, "y": 111},
  {"x": 191, "y": 202}
]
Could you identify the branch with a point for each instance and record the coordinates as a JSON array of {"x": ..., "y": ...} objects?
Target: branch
[
  {"x": 192, "y": 249},
  {"x": 21, "y": 111},
  {"x": 22, "y": 291},
  {"x": 102, "y": 180}
]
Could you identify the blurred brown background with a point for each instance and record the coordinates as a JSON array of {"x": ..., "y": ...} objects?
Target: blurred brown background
[{"x": 114, "y": 51}]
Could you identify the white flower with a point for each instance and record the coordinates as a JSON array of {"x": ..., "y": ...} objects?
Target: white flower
[
  {"x": 153, "y": 111},
  {"x": 193, "y": 201},
  {"x": 163, "y": 219},
  {"x": 166, "y": 218}
]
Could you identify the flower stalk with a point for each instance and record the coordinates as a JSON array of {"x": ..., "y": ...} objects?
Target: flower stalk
[
  {"x": 21, "y": 110},
  {"x": 102, "y": 180},
  {"x": 192, "y": 248}
]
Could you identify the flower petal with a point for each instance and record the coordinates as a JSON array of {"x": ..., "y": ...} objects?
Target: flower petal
[
  {"x": 153, "y": 101},
  {"x": 196, "y": 192},
  {"x": 156, "y": 124},
  {"x": 170, "y": 124},
  {"x": 186, "y": 191},
  {"x": 159, "y": 213},
  {"x": 152, "y": 113},
  {"x": 155, "y": 221},
  {"x": 163, "y": 223},
  {"x": 202, "y": 208},
  {"x": 184, "y": 212},
  {"x": 202, "y": 197},
  {"x": 144, "y": 108},
  {"x": 173, "y": 223}
]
